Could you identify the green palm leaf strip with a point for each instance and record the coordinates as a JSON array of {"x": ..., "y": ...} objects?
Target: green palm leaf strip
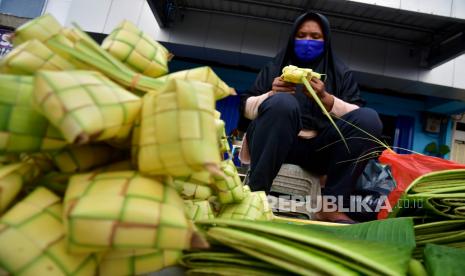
[
  {"x": 323, "y": 109},
  {"x": 416, "y": 268},
  {"x": 443, "y": 260},
  {"x": 368, "y": 248},
  {"x": 228, "y": 262},
  {"x": 302, "y": 261},
  {"x": 446, "y": 232}
]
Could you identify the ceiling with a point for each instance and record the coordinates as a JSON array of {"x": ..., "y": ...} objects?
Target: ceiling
[{"x": 442, "y": 37}]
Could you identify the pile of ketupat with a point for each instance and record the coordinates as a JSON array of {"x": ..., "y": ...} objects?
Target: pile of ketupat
[
  {"x": 105, "y": 158},
  {"x": 106, "y": 161}
]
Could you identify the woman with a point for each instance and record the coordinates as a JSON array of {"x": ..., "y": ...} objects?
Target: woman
[{"x": 288, "y": 126}]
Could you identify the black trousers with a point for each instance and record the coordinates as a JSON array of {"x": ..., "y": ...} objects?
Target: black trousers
[{"x": 273, "y": 140}]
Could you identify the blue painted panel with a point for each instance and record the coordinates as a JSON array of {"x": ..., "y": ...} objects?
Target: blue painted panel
[
  {"x": 403, "y": 138},
  {"x": 229, "y": 108},
  {"x": 398, "y": 106},
  {"x": 22, "y": 8},
  {"x": 238, "y": 79}
]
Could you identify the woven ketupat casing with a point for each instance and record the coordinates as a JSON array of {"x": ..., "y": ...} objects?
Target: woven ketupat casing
[
  {"x": 137, "y": 49},
  {"x": 178, "y": 133},
  {"x": 22, "y": 129},
  {"x": 85, "y": 105},
  {"x": 123, "y": 210},
  {"x": 32, "y": 240},
  {"x": 192, "y": 191},
  {"x": 135, "y": 138},
  {"x": 254, "y": 207},
  {"x": 229, "y": 185},
  {"x": 85, "y": 157},
  {"x": 195, "y": 186},
  {"x": 12, "y": 178},
  {"x": 9, "y": 158},
  {"x": 42, "y": 28},
  {"x": 204, "y": 74},
  {"x": 137, "y": 262},
  {"x": 221, "y": 133},
  {"x": 222, "y": 138},
  {"x": 29, "y": 57},
  {"x": 295, "y": 74},
  {"x": 198, "y": 209}
]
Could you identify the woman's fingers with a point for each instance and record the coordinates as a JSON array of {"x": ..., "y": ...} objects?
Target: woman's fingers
[
  {"x": 283, "y": 88},
  {"x": 281, "y": 83}
]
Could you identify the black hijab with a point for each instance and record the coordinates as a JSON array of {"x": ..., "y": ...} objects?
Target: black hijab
[{"x": 339, "y": 80}]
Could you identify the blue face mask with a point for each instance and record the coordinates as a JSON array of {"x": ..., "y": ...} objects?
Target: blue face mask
[{"x": 308, "y": 50}]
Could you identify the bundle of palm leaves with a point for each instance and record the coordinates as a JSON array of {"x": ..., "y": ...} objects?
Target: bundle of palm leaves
[
  {"x": 261, "y": 247},
  {"x": 438, "y": 194}
]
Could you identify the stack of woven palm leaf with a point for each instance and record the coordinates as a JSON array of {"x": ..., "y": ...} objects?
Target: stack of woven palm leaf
[{"x": 135, "y": 152}]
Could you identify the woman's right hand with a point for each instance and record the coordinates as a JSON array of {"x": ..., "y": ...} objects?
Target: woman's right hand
[{"x": 279, "y": 85}]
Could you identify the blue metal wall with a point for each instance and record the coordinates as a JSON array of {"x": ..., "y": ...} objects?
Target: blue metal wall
[{"x": 22, "y": 8}]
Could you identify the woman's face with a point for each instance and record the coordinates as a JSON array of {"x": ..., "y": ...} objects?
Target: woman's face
[{"x": 310, "y": 30}]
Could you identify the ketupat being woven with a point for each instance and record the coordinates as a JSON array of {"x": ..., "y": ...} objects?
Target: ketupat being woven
[
  {"x": 198, "y": 209},
  {"x": 254, "y": 207},
  {"x": 178, "y": 133},
  {"x": 31, "y": 56},
  {"x": 85, "y": 157},
  {"x": 85, "y": 105},
  {"x": 123, "y": 210},
  {"x": 137, "y": 49},
  {"x": 32, "y": 239},
  {"x": 295, "y": 74},
  {"x": 12, "y": 178},
  {"x": 203, "y": 74},
  {"x": 229, "y": 186},
  {"x": 22, "y": 128},
  {"x": 137, "y": 262}
]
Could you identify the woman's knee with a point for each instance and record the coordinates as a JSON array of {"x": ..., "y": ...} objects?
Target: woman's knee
[
  {"x": 368, "y": 120},
  {"x": 280, "y": 104}
]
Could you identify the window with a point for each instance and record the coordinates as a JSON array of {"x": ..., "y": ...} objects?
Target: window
[
  {"x": 22, "y": 8},
  {"x": 389, "y": 128},
  {"x": 460, "y": 126}
]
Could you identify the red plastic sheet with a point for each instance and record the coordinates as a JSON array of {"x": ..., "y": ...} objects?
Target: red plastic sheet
[{"x": 407, "y": 167}]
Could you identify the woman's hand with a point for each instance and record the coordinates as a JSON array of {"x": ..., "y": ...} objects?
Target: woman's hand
[
  {"x": 319, "y": 87},
  {"x": 279, "y": 85}
]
